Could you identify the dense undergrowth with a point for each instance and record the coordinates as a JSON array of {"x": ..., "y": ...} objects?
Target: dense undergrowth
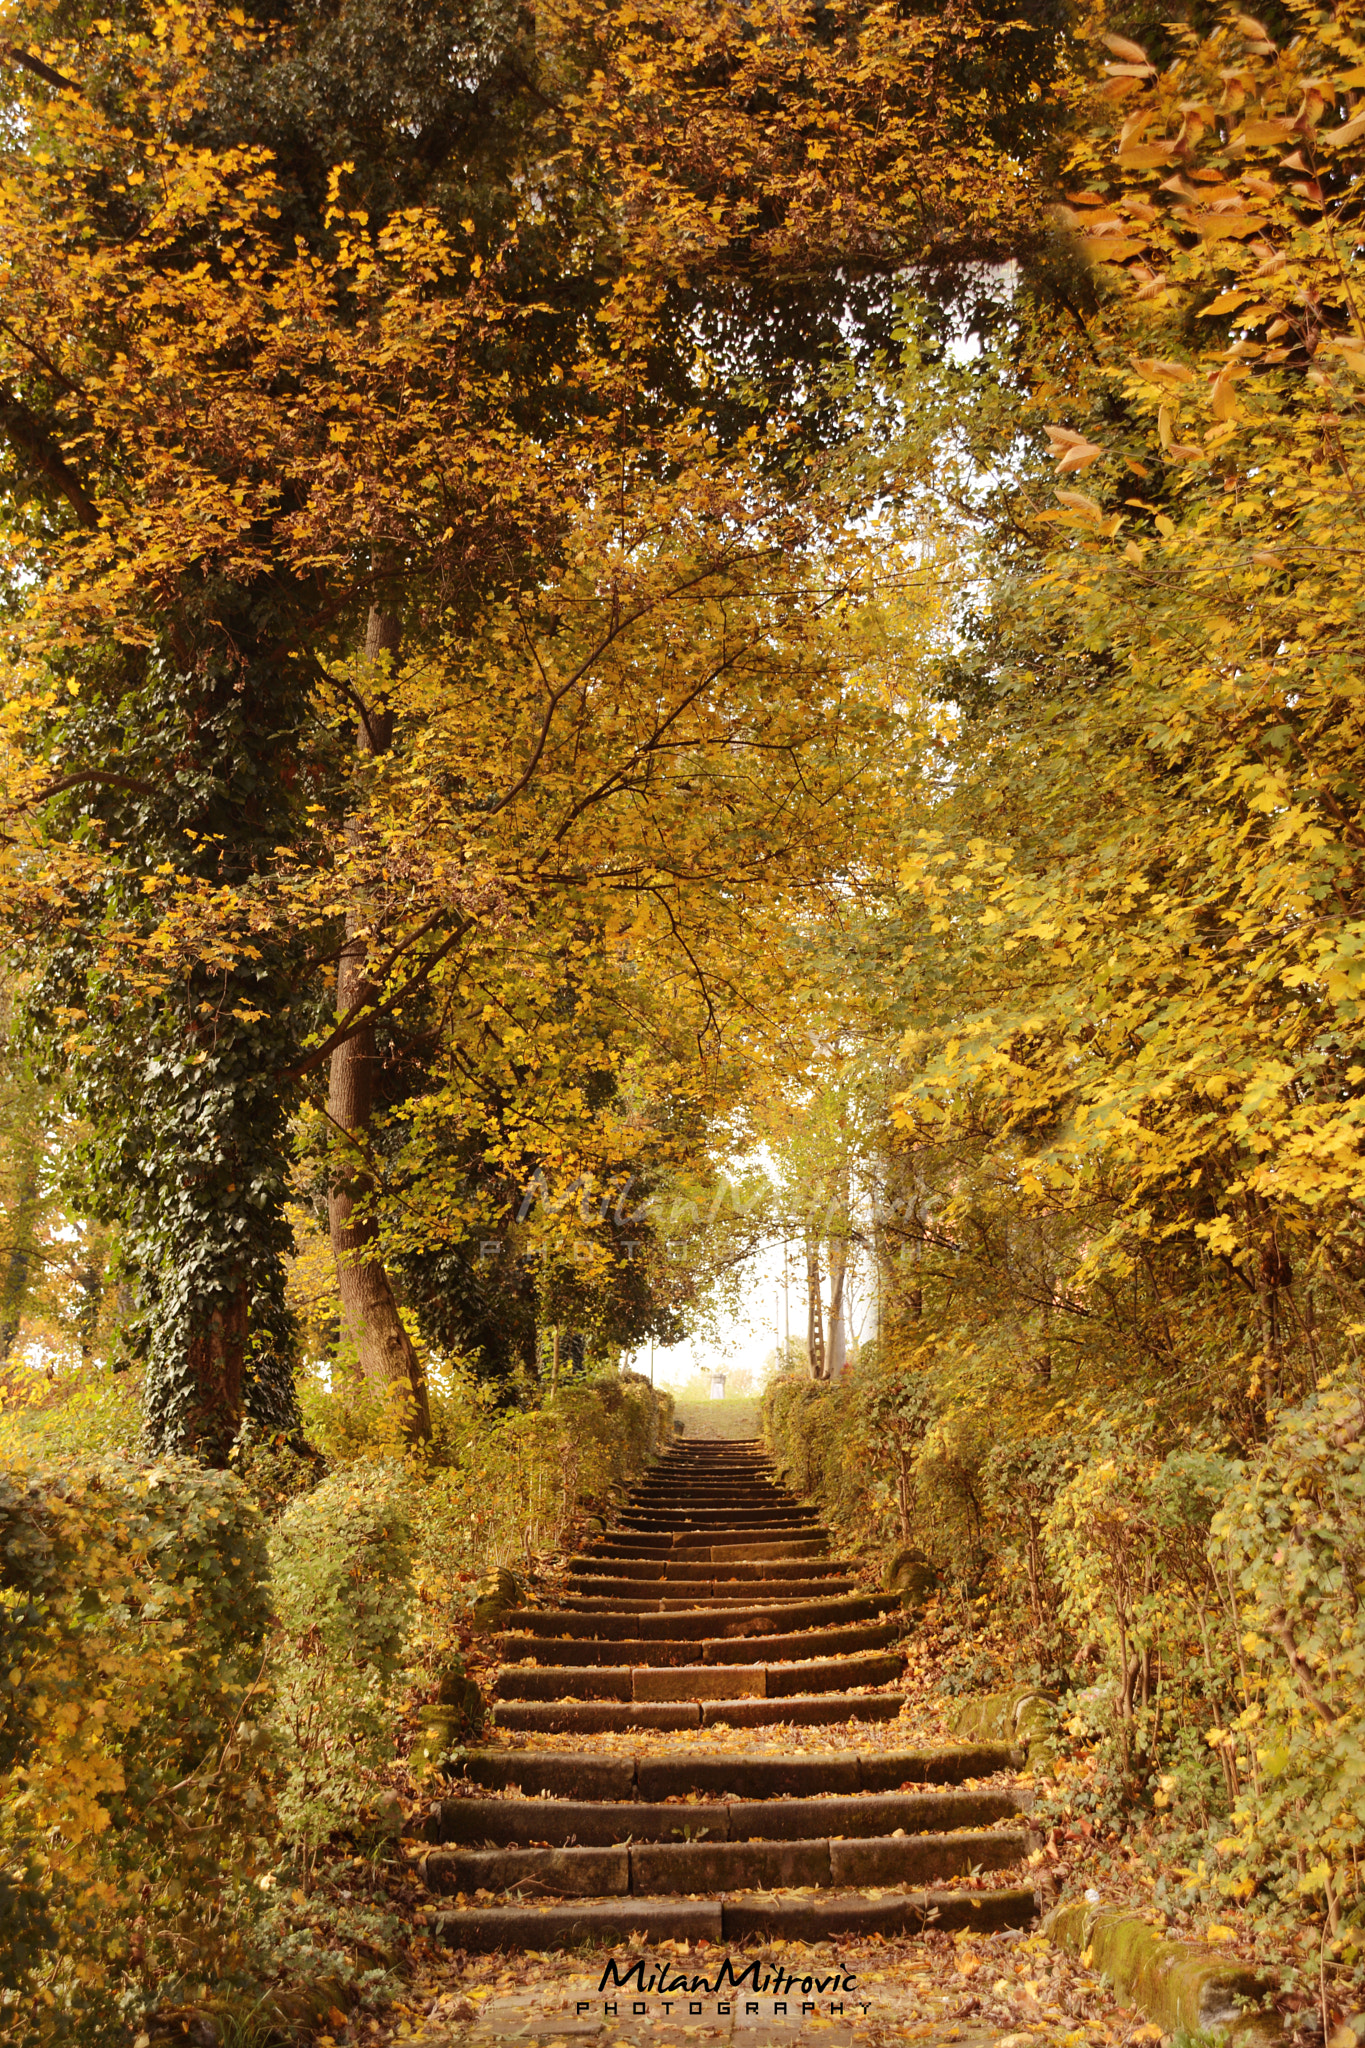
[
  {"x": 1193, "y": 1605},
  {"x": 204, "y": 1674}
]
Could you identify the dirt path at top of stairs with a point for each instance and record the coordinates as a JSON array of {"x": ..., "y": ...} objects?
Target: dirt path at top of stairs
[{"x": 701, "y": 1814}]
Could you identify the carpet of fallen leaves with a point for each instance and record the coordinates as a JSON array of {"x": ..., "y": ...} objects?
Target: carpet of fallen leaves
[{"x": 1013, "y": 1990}]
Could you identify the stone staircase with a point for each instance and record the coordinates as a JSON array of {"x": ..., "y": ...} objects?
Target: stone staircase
[{"x": 713, "y": 1603}]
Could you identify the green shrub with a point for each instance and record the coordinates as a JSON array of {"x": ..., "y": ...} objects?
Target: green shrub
[
  {"x": 1292, "y": 1535},
  {"x": 83, "y": 1411},
  {"x": 512, "y": 1489},
  {"x": 888, "y": 1460},
  {"x": 1020, "y": 1480},
  {"x": 1127, "y": 1539},
  {"x": 342, "y": 1561},
  {"x": 135, "y": 1617},
  {"x": 807, "y": 1425},
  {"x": 157, "y": 1722}
]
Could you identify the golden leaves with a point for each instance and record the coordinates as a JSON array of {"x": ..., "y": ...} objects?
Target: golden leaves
[
  {"x": 1128, "y": 52},
  {"x": 1171, "y": 374},
  {"x": 1224, "y": 397},
  {"x": 1072, "y": 450},
  {"x": 1341, "y": 138},
  {"x": 1146, "y": 156}
]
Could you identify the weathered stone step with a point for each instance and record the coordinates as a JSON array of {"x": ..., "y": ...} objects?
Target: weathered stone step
[
  {"x": 683, "y": 1572},
  {"x": 754, "y": 1502},
  {"x": 805, "y": 1710},
  {"x": 695, "y": 1681},
  {"x": 716, "y": 1471},
  {"x": 592, "y": 1717},
  {"x": 620, "y": 1596},
  {"x": 753, "y": 1646},
  {"x": 705, "y": 1511},
  {"x": 685, "y": 1534},
  {"x": 606, "y": 1923},
  {"x": 746, "y": 1511},
  {"x": 772, "y": 1618},
  {"x": 744, "y": 1489},
  {"x": 687, "y": 1552},
  {"x": 606, "y": 1823},
  {"x": 735, "y": 1774},
  {"x": 719, "y": 1502},
  {"x": 864, "y": 1814},
  {"x": 648, "y": 1868},
  {"x": 716, "y": 1447}
]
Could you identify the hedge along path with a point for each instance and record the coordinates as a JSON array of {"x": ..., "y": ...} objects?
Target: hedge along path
[{"x": 713, "y": 1604}]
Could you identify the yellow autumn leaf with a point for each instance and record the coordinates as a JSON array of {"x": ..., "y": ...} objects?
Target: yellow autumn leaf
[
  {"x": 1077, "y": 501},
  {"x": 1128, "y": 52}
]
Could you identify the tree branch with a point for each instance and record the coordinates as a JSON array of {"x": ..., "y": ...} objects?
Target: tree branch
[
  {"x": 40, "y": 70},
  {"x": 362, "y": 1014},
  {"x": 29, "y": 438},
  {"x": 89, "y": 775}
]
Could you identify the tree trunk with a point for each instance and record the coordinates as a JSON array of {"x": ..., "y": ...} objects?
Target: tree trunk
[
  {"x": 815, "y": 1324},
  {"x": 210, "y": 1414},
  {"x": 369, "y": 1309},
  {"x": 18, "y": 1267},
  {"x": 838, "y": 1336}
]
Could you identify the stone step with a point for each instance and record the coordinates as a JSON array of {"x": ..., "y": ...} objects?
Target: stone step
[
  {"x": 605, "y": 1823},
  {"x": 650, "y": 1547},
  {"x": 680, "y": 1572},
  {"x": 745, "y": 1489},
  {"x": 619, "y": 1595},
  {"x": 774, "y": 1617},
  {"x": 594, "y": 1717},
  {"x": 716, "y": 1471},
  {"x": 647, "y": 1868},
  {"x": 700, "y": 1511},
  {"x": 695, "y": 1681},
  {"x": 806, "y": 1710},
  {"x": 736, "y": 1774},
  {"x": 749, "y": 1510},
  {"x": 682, "y": 1577},
  {"x": 716, "y": 1447},
  {"x": 687, "y": 1534},
  {"x": 753, "y": 1646},
  {"x": 761, "y": 1486},
  {"x": 724, "y": 1525},
  {"x": 606, "y": 1923},
  {"x": 708, "y": 1496}
]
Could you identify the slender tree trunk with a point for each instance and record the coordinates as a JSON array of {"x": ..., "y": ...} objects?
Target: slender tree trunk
[
  {"x": 838, "y": 1335},
  {"x": 90, "y": 1281},
  {"x": 815, "y": 1316},
  {"x": 369, "y": 1309},
  {"x": 19, "y": 1265}
]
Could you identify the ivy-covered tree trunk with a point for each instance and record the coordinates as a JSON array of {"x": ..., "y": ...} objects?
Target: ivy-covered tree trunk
[
  {"x": 370, "y": 1317},
  {"x": 182, "y": 1073},
  {"x": 209, "y": 1234}
]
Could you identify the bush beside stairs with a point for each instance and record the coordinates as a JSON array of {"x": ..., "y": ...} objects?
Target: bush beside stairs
[{"x": 714, "y": 1601}]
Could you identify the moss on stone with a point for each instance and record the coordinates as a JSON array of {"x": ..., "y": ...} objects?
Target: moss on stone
[
  {"x": 1177, "y": 1984},
  {"x": 1025, "y": 1716}
]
